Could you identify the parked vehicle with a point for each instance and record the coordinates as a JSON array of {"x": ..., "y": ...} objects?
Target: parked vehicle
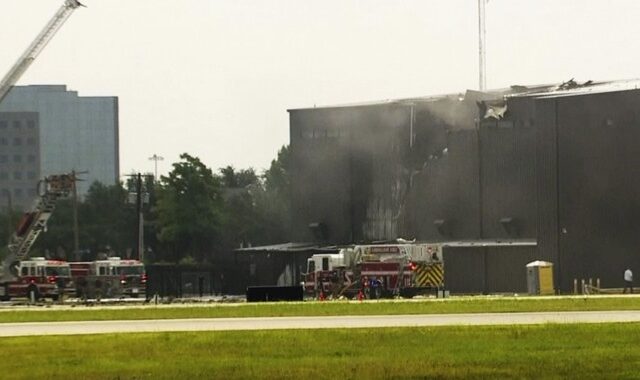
[
  {"x": 375, "y": 271},
  {"x": 39, "y": 278},
  {"x": 110, "y": 278}
]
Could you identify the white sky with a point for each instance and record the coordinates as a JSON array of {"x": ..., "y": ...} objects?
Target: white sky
[{"x": 214, "y": 77}]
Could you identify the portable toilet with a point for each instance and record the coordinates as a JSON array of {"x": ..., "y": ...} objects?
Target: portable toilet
[{"x": 540, "y": 277}]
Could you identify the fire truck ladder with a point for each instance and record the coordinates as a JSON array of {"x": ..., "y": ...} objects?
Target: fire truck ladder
[
  {"x": 402, "y": 263},
  {"x": 29, "y": 55},
  {"x": 35, "y": 221}
]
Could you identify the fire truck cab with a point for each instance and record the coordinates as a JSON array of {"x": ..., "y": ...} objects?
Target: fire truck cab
[
  {"x": 39, "y": 278},
  {"x": 110, "y": 278},
  {"x": 376, "y": 270}
]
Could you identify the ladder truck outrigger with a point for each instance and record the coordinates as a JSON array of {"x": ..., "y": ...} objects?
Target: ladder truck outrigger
[{"x": 36, "y": 277}]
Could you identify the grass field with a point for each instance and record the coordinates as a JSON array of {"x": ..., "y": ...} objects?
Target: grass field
[
  {"x": 541, "y": 351},
  {"x": 462, "y": 305}
]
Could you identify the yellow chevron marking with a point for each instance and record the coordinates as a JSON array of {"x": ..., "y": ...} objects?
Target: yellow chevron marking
[{"x": 430, "y": 275}]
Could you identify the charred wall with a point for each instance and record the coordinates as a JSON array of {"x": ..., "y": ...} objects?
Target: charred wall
[
  {"x": 508, "y": 176},
  {"x": 562, "y": 169}
]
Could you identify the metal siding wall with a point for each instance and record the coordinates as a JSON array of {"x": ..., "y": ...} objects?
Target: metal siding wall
[
  {"x": 508, "y": 173},
  {"x": 447, "y": 189},
  {"x": 599, "y": 166},
  {"x": 320, "y": 173},
  {"x": 546, "y": 184},
  {"x": 464, "y": 270},
  {"x": 506, "y": 268}
]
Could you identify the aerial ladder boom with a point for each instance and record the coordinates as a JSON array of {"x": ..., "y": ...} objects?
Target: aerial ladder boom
[
  {"x": 27, "y": 58},
  {"x": 35, "y": 221}
]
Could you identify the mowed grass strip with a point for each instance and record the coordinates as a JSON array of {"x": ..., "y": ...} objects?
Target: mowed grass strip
[
  {"x": 464, "y": 305},
  {"x": 536, "y": 351}
]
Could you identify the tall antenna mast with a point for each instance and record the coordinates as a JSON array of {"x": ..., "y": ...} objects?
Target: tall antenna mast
[{"x": 482, "y": 34}]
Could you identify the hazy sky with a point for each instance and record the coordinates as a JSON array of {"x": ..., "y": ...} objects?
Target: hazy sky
[{"x": 215, "y": 77}]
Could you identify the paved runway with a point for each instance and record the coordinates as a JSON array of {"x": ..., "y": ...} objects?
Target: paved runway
[{"x": 228, "y": 324}]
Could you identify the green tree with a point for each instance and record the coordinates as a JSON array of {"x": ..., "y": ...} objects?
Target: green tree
[
  {"x": 274, "y": 201},
  {"x": 106, "y": 220},
  {"x": 241, "y": 218},
  {"x": 189, "y": 210}
]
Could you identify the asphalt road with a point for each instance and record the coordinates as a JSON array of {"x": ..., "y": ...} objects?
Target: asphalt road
[{"x": 228, "y": 324}]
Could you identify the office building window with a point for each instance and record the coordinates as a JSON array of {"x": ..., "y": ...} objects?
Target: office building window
[
  {"x": 31, "y": 124},
  {"x": 31, "y": 175},
  {"x": 31, "y": 141},
  {"x": 3, "y": 124},
  {"x": 31, "y": 158},
  {"x": 17, "y": 141},
  {"x": 17, "y": 175},
  {"x": 17, "y": 158},
  {"x": 17, "y": 124}
]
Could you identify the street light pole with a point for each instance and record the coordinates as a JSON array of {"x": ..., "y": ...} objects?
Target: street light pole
[
  {"x": 482, "y": 48},
  {"x": 156, "y": 158}
]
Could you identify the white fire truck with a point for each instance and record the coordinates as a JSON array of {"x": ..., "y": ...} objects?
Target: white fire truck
[
  {"x": 375, "y": 271},
  {"x": 110, "y": 278}
]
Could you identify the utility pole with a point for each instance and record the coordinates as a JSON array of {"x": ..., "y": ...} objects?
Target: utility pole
[
  {"x": 76, "y": 229},
  {"x": 482, "y": 48},
  {"x": 136, "y": 186},
  {"x": 10, "y": 226},
  {"x": 156, "y": 158},
  {"x": 139, "y": 202},
  {"x": 76, "y": 233}
]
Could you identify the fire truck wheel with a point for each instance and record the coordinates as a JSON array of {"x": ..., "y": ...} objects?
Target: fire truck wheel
[{"x": 33, "y": 293}]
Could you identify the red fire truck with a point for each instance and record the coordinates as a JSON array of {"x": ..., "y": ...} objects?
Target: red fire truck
[
  {"x": 39, "y": 278},
  {"x": 110, "y": 278},
  {"x": 375, "y": 271}
]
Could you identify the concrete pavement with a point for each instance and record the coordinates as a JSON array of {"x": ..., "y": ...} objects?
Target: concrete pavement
[{"x": 272, "y": 323}]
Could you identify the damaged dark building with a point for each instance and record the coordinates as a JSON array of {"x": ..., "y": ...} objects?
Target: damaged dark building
[{"x": 508, "y": 177}]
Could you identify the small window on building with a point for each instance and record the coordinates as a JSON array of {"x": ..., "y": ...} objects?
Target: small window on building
[
  {"x": 312, "y": 266},
  {"x": 325, "y": 263},
  {"x": 17, "y": 158},
  {"x": 17, "y": 175},
  {"x": 31, "y": 124},
  {"x": 102, "y": 271},
  {"x": 31, "y": 141},
  {"x": 17, "y": 141},
  {"x": 31, "y": 158},
  {"x": 24, "y": 271},
  {"x": 17, "y": 124},
  {"x": 3, "y": 124},
  {"x": 31, "y": 175}
]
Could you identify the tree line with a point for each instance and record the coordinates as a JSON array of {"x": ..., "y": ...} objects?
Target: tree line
[{"x": 193, "y": 214}]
